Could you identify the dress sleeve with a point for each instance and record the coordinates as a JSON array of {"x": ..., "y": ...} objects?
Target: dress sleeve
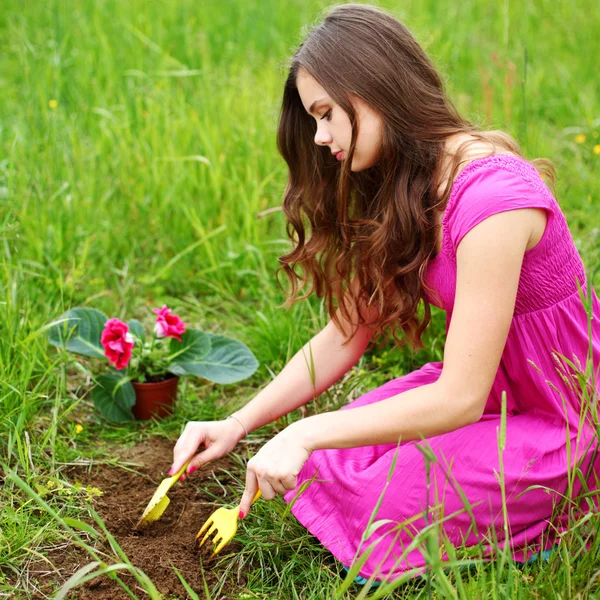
[{"x": 489, "y": 191}]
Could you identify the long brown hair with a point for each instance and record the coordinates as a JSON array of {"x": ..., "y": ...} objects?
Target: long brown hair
[{"x": 376, "y": 226}]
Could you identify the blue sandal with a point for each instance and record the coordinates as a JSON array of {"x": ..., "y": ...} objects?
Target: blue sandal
[{"x": 360, "y": 580}]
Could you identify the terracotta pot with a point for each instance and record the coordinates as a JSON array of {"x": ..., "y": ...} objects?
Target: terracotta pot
[{"x": 154, "y": 400}]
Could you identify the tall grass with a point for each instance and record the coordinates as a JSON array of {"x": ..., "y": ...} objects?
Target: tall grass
[{"x": 137, "y": 147}]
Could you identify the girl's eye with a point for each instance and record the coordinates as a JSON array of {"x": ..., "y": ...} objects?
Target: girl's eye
[{"x": 327, "y": 116}]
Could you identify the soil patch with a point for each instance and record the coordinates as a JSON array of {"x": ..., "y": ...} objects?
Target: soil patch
[{"x": 170, "y": 541}]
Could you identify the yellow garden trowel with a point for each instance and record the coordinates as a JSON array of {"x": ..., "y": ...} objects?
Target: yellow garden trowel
[{"x": 159, "y": 502}]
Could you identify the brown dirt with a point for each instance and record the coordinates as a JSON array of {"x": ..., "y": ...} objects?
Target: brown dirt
[{"x": 169, "y": 541}]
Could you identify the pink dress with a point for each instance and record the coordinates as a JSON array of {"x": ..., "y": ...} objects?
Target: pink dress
[{"x": 543, "y": 408}]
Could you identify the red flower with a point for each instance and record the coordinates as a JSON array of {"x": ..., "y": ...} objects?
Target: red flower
[
  {"x": 117, "y": 342},
  {"x": 168, "y": 325}
]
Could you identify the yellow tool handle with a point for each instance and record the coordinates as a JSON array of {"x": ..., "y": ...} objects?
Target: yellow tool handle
[
  {"x": 256, "y": 497},
  {"x": 179, "y": 473}
]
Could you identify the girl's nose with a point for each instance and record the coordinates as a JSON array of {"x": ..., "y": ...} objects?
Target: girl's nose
[{"x": 322, "y": 137}]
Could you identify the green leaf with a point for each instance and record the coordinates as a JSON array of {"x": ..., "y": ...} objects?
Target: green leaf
[
  {"x": 114, "y": 396},
  {"x": 137, "y": 329},
  {"x": 82, "y": 526},
  {"x": 76, "y": 579},
  {"x": 227, "y": 362},
  {"x": 79, "y": 330},
  {"x": 194, "y": 346},
  {"x": 375, "y": 526},
  {"x": 178, "y": 370},
  {"x": 191, "y": 593}
]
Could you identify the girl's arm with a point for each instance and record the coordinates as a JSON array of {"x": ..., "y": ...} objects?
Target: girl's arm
[{"x": 205, "y": 441}]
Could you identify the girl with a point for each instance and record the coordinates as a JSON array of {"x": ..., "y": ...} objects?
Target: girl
[{"x": 408, "y": 204}]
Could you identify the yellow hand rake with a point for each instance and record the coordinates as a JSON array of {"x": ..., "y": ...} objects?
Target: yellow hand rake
[{"x": 224, "y": 525}]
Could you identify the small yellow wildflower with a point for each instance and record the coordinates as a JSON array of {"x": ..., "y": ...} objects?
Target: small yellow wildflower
[
  {"x": 597, "y": 149},
  {"x": 94, "y": 491},
  {"x": 78, "y": 428},
  {"x": 53, "y": 104},
  {"x": 580, "y": 138}
]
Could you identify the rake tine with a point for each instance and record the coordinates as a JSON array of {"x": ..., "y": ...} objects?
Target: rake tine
[
  {"x": 220, "y": 547},
  {"x": 209, "y": 521},
  {"x": 211, "y": 530}
]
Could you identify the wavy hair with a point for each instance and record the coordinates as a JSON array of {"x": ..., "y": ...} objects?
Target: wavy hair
[{"x": 376, "y": 226}]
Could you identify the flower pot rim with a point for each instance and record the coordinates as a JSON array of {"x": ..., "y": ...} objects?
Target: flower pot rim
[{"x": 156, "y": 384}]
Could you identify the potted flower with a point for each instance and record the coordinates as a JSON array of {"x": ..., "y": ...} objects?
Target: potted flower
[{"x": 142, "y": 382}]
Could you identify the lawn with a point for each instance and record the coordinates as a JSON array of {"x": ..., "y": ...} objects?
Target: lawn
[{"x": 137, "y": 168}]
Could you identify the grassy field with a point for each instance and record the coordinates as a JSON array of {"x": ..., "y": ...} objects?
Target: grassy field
[{"x": 137, "y": 147}]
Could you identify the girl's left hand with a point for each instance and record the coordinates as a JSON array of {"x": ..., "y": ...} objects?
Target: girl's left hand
[{"x": 275, "y": 468}]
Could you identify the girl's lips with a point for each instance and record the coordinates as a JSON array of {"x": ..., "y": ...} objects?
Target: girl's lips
[{"x": 340, "y": 155}]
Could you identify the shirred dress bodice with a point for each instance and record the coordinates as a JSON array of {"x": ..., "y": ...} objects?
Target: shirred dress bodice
[{"x": 550, "y": 270}]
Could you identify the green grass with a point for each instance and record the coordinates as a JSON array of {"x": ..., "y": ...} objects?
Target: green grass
[{"x": 137, "y": 145}]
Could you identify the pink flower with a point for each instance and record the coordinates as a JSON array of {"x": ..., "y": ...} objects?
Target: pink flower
[
  {"x": 168, "y": 325},
  {"x": 117, "y": 342}
]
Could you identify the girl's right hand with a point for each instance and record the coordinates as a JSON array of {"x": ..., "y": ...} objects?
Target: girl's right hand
[{"x": 218, "y": 438}]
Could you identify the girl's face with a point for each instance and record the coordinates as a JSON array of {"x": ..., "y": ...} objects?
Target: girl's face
[{"x": 333, "y": 124}]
